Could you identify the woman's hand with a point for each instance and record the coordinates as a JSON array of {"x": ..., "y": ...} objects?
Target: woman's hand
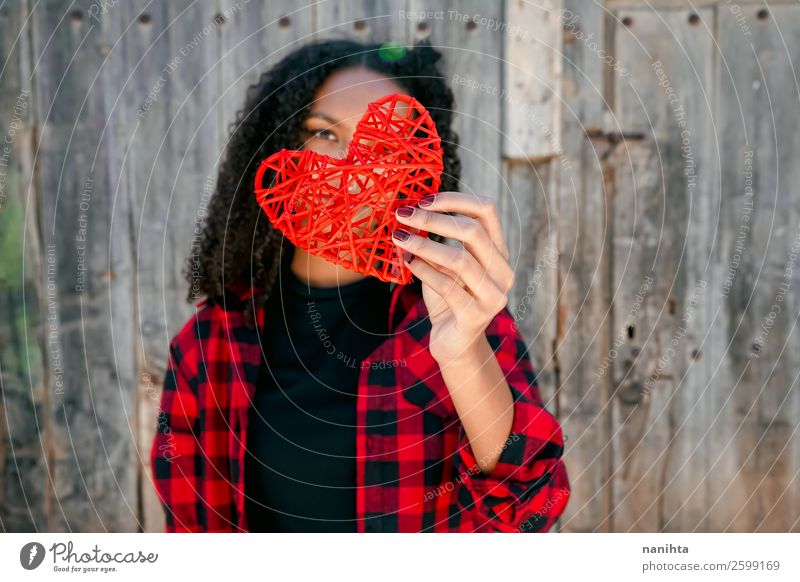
[{"x": 463, "y": 287}]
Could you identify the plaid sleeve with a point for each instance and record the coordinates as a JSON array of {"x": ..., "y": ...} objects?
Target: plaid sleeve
[
  {"x": 175, "y": 447},
  {"x": 528, "y": 488}
]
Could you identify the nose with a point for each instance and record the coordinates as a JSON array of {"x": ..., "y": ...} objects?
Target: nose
[{"x": 346, "y": 133}]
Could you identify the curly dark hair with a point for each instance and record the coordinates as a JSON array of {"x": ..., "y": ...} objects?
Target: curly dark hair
[{"x": 238, "y": 245}]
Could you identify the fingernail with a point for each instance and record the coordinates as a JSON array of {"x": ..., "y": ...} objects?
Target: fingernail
[
  {"x": 401, "y": 234},
  {"x": 409, "y": 257},
  {"x": 405, "y": 211},
  {"x": 425, "y": 202}
]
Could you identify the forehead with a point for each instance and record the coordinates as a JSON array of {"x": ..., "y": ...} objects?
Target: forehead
[{"x": 344, "y": 95}]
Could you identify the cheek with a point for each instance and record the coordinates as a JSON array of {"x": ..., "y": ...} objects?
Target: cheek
[{"x": 334, "y": 149}]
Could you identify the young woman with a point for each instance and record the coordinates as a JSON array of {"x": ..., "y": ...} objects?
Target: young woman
[{"x": 303, "y": 396}]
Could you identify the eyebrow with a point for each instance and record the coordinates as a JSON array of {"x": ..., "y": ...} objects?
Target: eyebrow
[{"x": 323, "y": 116}]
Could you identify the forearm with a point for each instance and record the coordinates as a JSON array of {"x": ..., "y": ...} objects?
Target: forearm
[{"x": 483, "y": 401}]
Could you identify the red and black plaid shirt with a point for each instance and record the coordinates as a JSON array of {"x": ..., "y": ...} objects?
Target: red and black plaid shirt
[{"x": 415, "y": 468}]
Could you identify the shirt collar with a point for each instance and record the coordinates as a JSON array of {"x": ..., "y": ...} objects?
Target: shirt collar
[{"x": 405, "y": 307}]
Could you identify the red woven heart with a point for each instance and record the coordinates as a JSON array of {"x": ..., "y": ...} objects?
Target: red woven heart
[{"x": 343, "y": 209}]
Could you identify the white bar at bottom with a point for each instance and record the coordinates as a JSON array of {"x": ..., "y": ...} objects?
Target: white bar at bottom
[{"x": 401, "y": 557}]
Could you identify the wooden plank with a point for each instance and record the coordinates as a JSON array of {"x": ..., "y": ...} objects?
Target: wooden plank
[
  {"x": 532, "y": 65},
  {"x": 683, "y": 5},
  {"x": 254, "y": 37},
  {"x": 643, "y": 319},
  {"x": 24, "y": 378},
  {"x": 472, "y": 57},
  {"x": 663, "y": 397},
  {"x": 526, "y": 215},
  {"x": 364, "y": 20},
  {"x": 581, "y": 344},
  {"x": 580, "y": 219},
  {"x": 760, "y": 415},
  {"x": 85, "y": 227},
  {"x": 641, "y": 106},
  {"x": 172, "y": 148},
  {"x": 587, "y": 56}
]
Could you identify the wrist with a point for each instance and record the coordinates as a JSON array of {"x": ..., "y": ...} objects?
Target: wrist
[{"x": 474, "y": 354}]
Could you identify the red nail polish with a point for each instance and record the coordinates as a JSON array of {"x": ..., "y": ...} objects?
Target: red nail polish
[{"x": 425, "y": 202}]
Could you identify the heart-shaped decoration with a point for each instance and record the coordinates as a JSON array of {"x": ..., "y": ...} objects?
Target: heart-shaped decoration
[{"x": 344, "y": 209}]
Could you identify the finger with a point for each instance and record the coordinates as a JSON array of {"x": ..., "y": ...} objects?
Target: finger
[
  {"x": 453, "y": 294},
  {"x": 454, "y": 275},
  {"x": 465, "y": 229},
  {"x": 478, "y": 281},
  {"x": 482, "y": 208}
]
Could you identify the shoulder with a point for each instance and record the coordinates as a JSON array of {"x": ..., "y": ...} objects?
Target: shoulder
[
  {"x": 213, "y": 324},
  {"x": 187, "y": 346}
]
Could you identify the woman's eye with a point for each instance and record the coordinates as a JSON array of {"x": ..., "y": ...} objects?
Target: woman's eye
[{"x": 325, "y": 134}]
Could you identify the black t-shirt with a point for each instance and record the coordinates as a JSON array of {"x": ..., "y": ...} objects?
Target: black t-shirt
[{"x": 300, "y": 470}]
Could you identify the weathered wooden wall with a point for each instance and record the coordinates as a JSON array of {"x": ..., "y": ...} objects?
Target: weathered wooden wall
[{"x": 641, "y": 156}]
